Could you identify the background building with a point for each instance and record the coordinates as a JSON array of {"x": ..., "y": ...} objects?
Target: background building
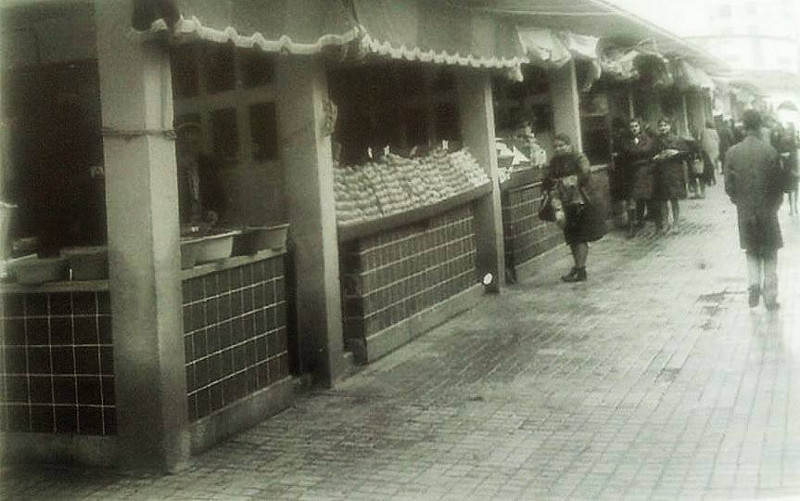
[{"x": 760, "y": 40}]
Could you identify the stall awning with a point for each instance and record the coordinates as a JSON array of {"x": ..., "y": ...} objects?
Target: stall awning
[
  {"x": 435, "y": 31},
  {"x": 414, "y": 30},
  {"x": 619, "y": 64},
  {"x": 688, "y": 76},
  {"x": 301, "y": 27},
  {"x": 551, "y": 47}
]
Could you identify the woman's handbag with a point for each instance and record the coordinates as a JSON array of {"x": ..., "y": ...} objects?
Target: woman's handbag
[{"x": 547, "y": 211}]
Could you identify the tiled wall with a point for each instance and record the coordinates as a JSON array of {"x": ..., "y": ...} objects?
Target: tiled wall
[
  {"x": 391, "y": 276},
  {"x": 525, "y": 236},
  {"x": 235, "y": 334},
  {"x": 56, "y": 365}
]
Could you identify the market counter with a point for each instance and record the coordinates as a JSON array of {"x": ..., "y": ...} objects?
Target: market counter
[
  {"x": 412, "y": 272},
  {"x": 57, "y": 363}
]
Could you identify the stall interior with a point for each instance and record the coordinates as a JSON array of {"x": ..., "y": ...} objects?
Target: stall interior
[
  {"x": 53, "y": 169},
  {"x": 227, "y": 96},
  {"x": 516, "y": 103},
  {"x": 408, "y": 107}
]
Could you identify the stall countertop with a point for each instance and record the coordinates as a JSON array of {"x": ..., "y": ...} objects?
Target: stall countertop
[
  {"x": 231, "y": 262},
  {"x": 61, "y": 286},
  {"x": 103, "y": 285}
]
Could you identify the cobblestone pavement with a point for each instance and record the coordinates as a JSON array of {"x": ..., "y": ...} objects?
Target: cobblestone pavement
[{"x": 654, "y": 380}]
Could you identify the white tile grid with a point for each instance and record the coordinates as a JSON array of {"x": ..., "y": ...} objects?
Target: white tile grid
[{"x": 270, "y": 359}]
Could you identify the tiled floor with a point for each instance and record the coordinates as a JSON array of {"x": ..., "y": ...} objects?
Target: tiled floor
[{"x": 654, "y": 380}]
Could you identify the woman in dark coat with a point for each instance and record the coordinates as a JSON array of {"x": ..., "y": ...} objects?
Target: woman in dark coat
[
  {"x": 569, "y": 180},
  {"x": 670, "y": 178}
]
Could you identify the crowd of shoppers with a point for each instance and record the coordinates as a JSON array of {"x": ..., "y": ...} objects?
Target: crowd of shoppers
[{"x": 653, "y": 172}]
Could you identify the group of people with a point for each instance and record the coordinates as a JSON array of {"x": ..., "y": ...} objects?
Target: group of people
[
  {"x": 652, "y": 176},
  {"x": 654, "y": 172}
]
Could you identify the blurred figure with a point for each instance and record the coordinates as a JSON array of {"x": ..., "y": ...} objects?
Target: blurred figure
[
  {"x": 670, "y": 185},
  {"x": 636, "y": 173},
  {"x": 709, "y": 146},
  {"x": 726, "y": 140},
  {"x": 751, "y": 182},
  {"x": 791, "y": 145}
]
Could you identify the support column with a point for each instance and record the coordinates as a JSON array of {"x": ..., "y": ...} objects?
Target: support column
[
  {"x": 684, "y": 113},
  {"x": 631, "y": 107},
  {"x": 143, "y": 244},
  {"x": 566, "y": 103},
  {"x": 308, "y": 170},
  {"x": 476, "y": 107}
]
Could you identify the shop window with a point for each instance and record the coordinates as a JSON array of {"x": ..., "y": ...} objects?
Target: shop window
[
  {"x": 258, "y": 68},
  {"x": 444, "y": 81},
  {"x": 417, "y": 126},
  {"x": 447, "y": 123},
  {"x": 219, "y": 63},
  {"x": 184, "y": 72},
  {"x": 224, "y": 136},
  {"x": 263, "y": 131}
]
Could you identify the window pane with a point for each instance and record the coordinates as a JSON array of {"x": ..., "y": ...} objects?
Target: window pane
[
  {"x": 219, "y": 68},
  {"x": 257, "y": 68},
  {"x": 184, "y": 71},
  {"x": 224, "y": 136},
  {"x": 263, "y": 130}
]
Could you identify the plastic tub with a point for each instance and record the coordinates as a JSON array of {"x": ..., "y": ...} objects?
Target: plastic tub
[
  {"x": 257, "y": 238},
  {"x": 216, "y": 247},
  {"x": 190, "y": 248},
  {"x": 87, "y": 263},
  {"x": 40, "y": 270}
]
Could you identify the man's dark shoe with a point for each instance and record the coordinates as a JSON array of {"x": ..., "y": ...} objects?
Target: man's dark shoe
[
  {"x": 576, "y": 275},
  {"x": 772, "y": 305},
  {"x": 755, "y": 294}
]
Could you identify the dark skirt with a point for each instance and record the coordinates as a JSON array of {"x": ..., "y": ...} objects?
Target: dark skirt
[
  {"x": 642, "y": 180},
  {"x": 584, "y": 223},
  {"x": 619, "y": 185},
  {"x": 670, "y": 182}
]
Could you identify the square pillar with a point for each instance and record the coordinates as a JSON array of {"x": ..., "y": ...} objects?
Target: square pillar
[
  {"x": 476, "y": 107},
  {"x": 143, "y": 243},
  {"x": 566, "y": 103},
  {"x": 684, "y": 113},
  {"x": 305, "y": 151}
]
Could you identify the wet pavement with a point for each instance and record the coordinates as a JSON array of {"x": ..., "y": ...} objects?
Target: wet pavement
[{"x": 653, "y": 380}]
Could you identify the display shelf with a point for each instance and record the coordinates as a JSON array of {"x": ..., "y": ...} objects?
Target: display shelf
[
  {"x": 59, "y": 286},
  {"x": 231, "y": 262},
  {"x": 361, "y": 229}
]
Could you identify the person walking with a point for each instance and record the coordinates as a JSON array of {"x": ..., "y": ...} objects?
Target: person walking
[
  {"x": 670, "y": 180},
  {"x": 568, "y": 178},
  {"x": 709, "y": 145},
  {"x": 752, "y": 181}
]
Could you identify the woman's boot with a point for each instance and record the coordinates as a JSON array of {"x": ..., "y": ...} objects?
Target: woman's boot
[{"x": 576, "y": 275}]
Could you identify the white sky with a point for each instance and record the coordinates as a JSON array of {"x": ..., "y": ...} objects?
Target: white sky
[{"x": 682, "y": 17}]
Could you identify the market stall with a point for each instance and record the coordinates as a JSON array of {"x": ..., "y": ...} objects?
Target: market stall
[{"x": 405, "y": 191}]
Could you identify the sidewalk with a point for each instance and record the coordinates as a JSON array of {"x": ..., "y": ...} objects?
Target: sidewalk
[{"x": 652, "y": 380}]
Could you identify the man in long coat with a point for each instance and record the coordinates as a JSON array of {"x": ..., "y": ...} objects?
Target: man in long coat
[{"x": 752, "y": 182}]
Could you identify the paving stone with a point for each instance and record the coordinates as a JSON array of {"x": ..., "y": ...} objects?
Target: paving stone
[{"x": 653, "y": 380}]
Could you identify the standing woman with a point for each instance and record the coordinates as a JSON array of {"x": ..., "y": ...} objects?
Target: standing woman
[
  {"x": 568, "y": 177},
  {"x": 670, "y": 178}
]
